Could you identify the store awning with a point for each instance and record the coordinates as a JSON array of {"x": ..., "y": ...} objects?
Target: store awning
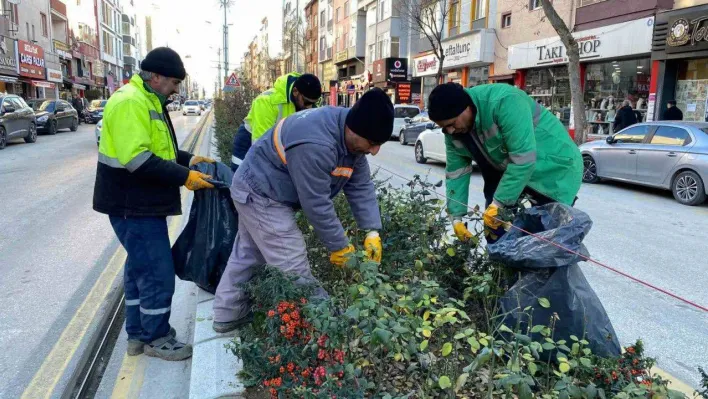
[
  {"x": 502, "y": 77},
  {"x": 8, "y": 79},
  {"x": 79, "y": 86},
  {"x": 45, "y": 84}
]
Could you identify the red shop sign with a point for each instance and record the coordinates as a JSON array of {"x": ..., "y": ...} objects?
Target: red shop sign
[{"x": 31, "y": 60}]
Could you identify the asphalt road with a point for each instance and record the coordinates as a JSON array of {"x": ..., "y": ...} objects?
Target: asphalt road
[
  {"x": 53, "y": 246},
  {"x": 642, "y": 232}
]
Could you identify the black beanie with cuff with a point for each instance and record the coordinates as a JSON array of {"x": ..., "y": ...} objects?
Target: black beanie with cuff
[{"x": 372, "y": 116}]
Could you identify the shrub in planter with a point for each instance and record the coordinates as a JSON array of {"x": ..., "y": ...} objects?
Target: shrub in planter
[
  {"x": 229, "y": 113},
  {"x": 422, "y": 324}
]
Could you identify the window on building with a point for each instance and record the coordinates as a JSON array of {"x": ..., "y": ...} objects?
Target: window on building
[
  {"x": 453, "y": 18},
  {"x": 322, "y": 18},
  {"x": 43, "y": 17},
  {"x": 534, "y": 4},
  {"x": 372, "y": 52},
  {"x": 345, "y": 41},
  {"x": 346, "y": 8},
  {"x": 371, "y": 16},
  {"x": 480, "y": 9},
  {"x": 28, "y": 31},
  {"x": 337, "y": 14},
  {"x": 34, "y": 36},
  {"x": 395, "y": 47},
  {"x": 382, "y": 10},
  {"x": 106, "y": 14},
  {"x": 506, "y": 20}
]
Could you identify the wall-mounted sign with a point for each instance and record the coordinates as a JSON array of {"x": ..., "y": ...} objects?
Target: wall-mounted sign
[
  {"x": 475, "y": 48},
  {"x": 62, "y": 50},
  {"x": 611, "y": 41},
  {"x": 31, "y": 59},
  {"x": 426, "y": 65},
  {"x": 341, "y": 56},
  {"x": 390, "y": 69},
  {"x": 403, "y": 93},
  {"x": 8, "y": 57},
  {"x": 54, "y": 75},
  {"x": 689, "y": 32}
]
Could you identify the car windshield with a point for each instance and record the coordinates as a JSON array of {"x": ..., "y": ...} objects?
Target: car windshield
[
  {"x": 46, "y": 106},
  {"x": 191, "y": 103},
  {"x": 405, "y": 112}
]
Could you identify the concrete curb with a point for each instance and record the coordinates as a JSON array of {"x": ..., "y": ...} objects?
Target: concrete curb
[{"x": 214, "y": 367}]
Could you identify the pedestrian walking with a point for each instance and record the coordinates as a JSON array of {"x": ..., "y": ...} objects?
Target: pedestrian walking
[
  {"x": 303, "y": 163},
  {"x": 290, "y": 93},
  {"x": 625, "y": 116},
  {"x": 140, "y": 171},
  {"x": 672, "y": 113},
  {"x": 519, "y": 146}
]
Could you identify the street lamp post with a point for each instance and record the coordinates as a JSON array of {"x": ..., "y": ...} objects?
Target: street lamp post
[{"x": 225, "y": 4}]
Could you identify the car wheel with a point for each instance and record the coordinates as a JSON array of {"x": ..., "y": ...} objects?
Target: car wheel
[
  {"x": 589, "y": 170},
  {"x": 402, "y": 138},
  {"x": 32, "y": 136},
  {"x": 419, "y": 156},
  {"x": 52, "y": 130},
  {"x": 74, "y": 124},
  {"x": 688, "y": 188},
  {"x": 3, "y": 138}
]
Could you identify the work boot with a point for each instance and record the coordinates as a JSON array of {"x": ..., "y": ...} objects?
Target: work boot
[
  {"x": 228, "y": 326},
  {"x": 168, "y": 348},
  {"x": 136, "y": 346}
]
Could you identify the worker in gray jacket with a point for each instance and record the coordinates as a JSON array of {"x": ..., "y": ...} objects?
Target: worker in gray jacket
[{"x": 303, "y": 163}]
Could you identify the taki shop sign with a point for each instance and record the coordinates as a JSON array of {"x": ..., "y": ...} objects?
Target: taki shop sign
[
  {"x": 31, "y": 59},
  {"x": 588, "y": 46}
]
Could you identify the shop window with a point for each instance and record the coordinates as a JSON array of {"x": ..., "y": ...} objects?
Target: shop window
[
  {"x": 550, "y": 87},
  {"x": 691, "y": 89},
  {"x": 506, "y": 20},
  {"x": 671, "y": 135},
  {"x": 534, "y": 4}
]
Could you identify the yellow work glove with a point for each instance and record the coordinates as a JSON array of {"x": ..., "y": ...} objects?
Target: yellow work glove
[
  {"x": 461, "y": 230},
  {"x": 198, "y": 158},
  {"x": 373, "y": 247},
  {"x": 339, "y": 258},
  {"x": 494, "y": 228},
  {"x": 197, "y": 181}
]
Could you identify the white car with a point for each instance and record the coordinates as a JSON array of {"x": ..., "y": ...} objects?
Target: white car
[
  {"x": 430, "y": 145},
  {"x": 401, "y": 112},
  {"x": 191, "y": 107},
  {"x": 97, "y": 131},
  {"x": 173, "y": 106}
]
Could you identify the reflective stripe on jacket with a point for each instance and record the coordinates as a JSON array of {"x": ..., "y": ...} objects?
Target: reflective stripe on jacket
[
  {"x": 140, "y": 167},
  {"x": 519, "y": 139}
]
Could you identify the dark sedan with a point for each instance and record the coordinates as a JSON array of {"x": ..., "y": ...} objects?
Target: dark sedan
[
  {"x": 53, "y": 115},
  {"x": 95, "y": 111},
  {"x": 413, "y": 127}
]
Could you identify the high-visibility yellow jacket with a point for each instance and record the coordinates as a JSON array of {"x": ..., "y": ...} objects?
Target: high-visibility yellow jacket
[
  {"x": 271, "y": 106},
  {"x": 140, "y": 168}
]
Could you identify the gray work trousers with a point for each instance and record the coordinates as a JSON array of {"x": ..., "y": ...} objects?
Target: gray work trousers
[{"x": 267, "y": 234}]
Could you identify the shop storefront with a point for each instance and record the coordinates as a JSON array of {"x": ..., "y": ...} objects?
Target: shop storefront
[
  {"x": 62, "y": 50},
  {"x": 425, "y": 68},
  {"x": 388, "y": 73},
  {"x": 32, "y": 71},
  {"x": 350, "y": 71},
  {"x": 468, "y": 56},
  {"x": 680, "y": 54},
  {"x": 8, "y": 66},
  {"x": 615, "y": 66}
]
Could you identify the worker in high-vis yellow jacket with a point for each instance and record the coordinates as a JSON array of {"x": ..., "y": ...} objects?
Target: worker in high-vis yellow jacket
[
  {"x": 290, "y": 93},
  {"x": 138, "y": 179}
]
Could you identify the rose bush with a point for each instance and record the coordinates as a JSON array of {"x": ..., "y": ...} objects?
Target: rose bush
[{"x": 422, "y": 324}]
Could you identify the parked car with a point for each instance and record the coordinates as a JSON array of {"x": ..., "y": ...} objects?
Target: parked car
[
  {"x": 202, "y": 105},
  {"x": 668, "y": 155},
  {"x": 430, "y": 145},
  {"x": 53, "y": 115},
  {"x": 191, "y": 107},
  {"x": 97, "y": 131},
  {"x": 400, "y": 113},
  {"x": 16, "y": 120},
  {"x": 173, "y": 106},
  {"x": 95, "y": 111},
  {"x": 413, "y": 127}
]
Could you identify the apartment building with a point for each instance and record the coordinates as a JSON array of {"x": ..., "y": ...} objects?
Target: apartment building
[
  {"x": 312, "y": 38},
  {"x": 350, "y": 51},
  {"x": 294, "y": 34},
  {"x": 109, "y": 27},
  {"x": 132, "y": 41},
  {"x": 328, "y": 71}
]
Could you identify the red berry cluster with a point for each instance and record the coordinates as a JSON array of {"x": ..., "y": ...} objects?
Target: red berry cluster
[{"x": 292, "y": 324}]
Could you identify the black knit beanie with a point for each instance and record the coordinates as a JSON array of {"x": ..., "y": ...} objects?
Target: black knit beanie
[
  {"x": 447, "y": 101},
  {"x": 164, "y": 61},
  {"x": 372, "y": 116},
  {"x": 309, "y": 86}
]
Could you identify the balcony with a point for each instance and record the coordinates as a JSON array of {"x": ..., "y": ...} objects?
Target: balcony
[
  {"x": 58, "y": 7},
  {"x": 127, "y": 60}
]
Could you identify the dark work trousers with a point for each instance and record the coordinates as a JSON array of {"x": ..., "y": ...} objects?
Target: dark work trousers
[
  {"x": 242, "y": 142},
  {"x": 149, "y": 275}
]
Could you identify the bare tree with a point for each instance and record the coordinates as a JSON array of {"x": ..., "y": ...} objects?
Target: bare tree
[
  {"x": 573, "y": 53},
  {"x": 428, "y": 18},
  {"x": 295, "y": 42}
]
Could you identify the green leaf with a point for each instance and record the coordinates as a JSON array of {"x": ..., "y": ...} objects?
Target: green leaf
[
  {"x": 451, "y": 251},
  {"x": 474, "y": 344},
  {"x": 575, "y": 348},
  {"x": 537, "y": 328},
  {"x": 525, "y": 391},
  {"x": 444, "y": 382},
  {"x": 423, "y": 345},
  {"x": 400, "y": 329},
  {"x": 532, "y": 368},
  {"x": 352, "y": 313},
  {"x": 459, "y": 336},
  {"x": 504, "y": 328},
  {"x": 544, "y": 302},
  {"x": 446, "y": 349},
  {"x": 564, "y": 367},
  {"x": 548, "y": 346},
  {"x": 591, "y": 391},
  {"x": 461, "y": 380},
  {"x": 383, "y": 336},
  {"x": 585, "y": 362},
  {"x": 574, "y": 338}
]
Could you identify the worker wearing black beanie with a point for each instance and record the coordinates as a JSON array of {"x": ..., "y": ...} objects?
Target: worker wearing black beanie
[
  {"x": 371, "y": 117},
  {"x": 164, "y": 61},
  {"x": 309, "y": 87}
]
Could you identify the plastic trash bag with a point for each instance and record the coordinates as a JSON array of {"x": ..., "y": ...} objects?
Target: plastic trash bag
[
  {"x": 203, "y": 248},
  {"x": 547, "y": 271}
]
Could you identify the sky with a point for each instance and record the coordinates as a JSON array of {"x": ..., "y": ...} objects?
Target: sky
[{"x": 181, "y": 24}]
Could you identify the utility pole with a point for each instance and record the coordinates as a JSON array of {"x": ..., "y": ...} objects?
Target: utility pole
[
  {"x": 225, "y": 5},
  {"x": 297, "y": 33},
  {"x": 218, "y": 57}
]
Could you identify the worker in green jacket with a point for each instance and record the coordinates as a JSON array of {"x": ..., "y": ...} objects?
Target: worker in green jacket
[
  {"x": 290, "y": 93},
  {"x": 519, "y": 146}
]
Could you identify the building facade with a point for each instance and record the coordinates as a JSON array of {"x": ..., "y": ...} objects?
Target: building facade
[
  {"x": 132, "y": 41},
  {"x": 294, "y": 35},
  {"x": 109, "y": 28},
  {"x": 328, "y": 71},
  {"x": 311, "y": 38},
  {"x": 350, "y": 51}
]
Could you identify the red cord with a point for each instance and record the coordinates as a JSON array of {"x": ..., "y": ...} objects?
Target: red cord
[{"x": 663, "y": 291}]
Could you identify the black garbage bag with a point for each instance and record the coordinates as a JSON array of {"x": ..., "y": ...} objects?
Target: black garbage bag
[
  {"x": 203, "y": 248},
  {"x": 547, "y": 271}
]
